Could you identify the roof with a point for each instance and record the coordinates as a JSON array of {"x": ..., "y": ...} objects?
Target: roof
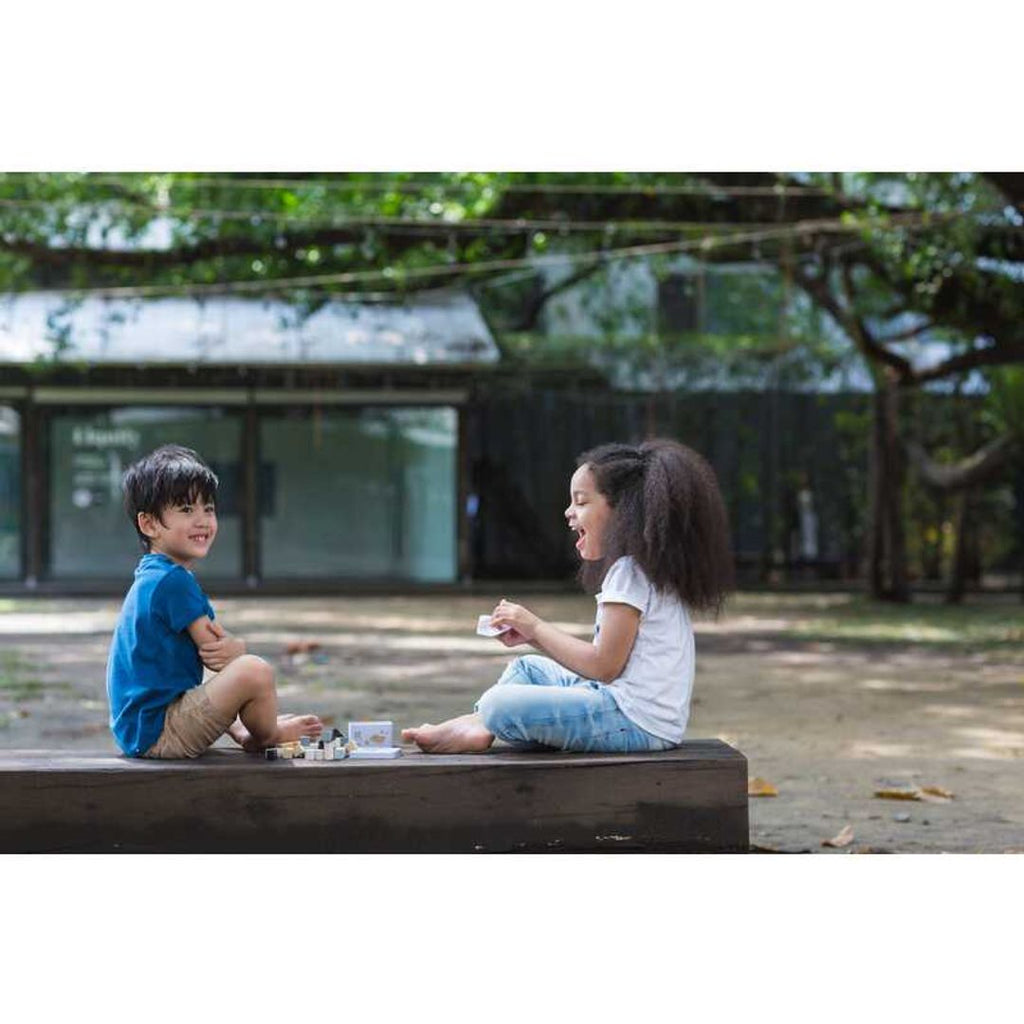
[{"x": 436, "y": 328}]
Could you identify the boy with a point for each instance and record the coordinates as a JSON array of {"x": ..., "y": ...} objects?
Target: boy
[{"x": 159, "y": 705}]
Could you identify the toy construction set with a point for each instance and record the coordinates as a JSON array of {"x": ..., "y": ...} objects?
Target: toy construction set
[{"x": 366, "y": 741}]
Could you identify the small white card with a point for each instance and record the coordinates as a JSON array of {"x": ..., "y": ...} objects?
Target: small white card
[
  {"x": 484, "y": 627},
  {"x": 372, "y": 734},
  {"x": 375, "y": 753}
]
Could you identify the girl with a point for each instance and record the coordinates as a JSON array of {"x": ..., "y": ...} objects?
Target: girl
[{"x": 652, "y": 530}]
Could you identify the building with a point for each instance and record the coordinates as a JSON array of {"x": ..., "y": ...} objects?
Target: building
[
  {"x": 368, "y": 445},
  {"x": 336, "y": 432}
]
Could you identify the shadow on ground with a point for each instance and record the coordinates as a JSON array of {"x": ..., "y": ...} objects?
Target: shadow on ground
[{"x": 830, "y": 698}]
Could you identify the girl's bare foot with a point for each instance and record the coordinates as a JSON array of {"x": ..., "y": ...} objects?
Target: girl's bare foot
[
  {"x": 466, "y": 734},
  {"x": 289, "y": 728}
]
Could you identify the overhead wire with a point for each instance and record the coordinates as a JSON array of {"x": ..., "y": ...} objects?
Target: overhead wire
[
  {"x": 390, "y": 274},
  {"x": 710, "y": 189},
  {"x": 439, "y": 226}
]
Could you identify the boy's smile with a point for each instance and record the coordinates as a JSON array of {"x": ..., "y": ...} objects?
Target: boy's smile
[
  {"x": 184, "y": 533},
  {"x": 587, "y": 514}
]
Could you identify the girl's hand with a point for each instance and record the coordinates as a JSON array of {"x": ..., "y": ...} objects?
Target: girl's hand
[
  {"x": 512, "y": 638},
  {"x": 523, "y": 622}
]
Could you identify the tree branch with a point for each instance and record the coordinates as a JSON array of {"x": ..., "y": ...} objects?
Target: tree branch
[
  {"x": 214, "y": 248},
  {"x": 994, "y": 355},
  {"x": 982, "y": 466},
  {"x": 1010, "y": 185},
  {"x": 529, "y": 318},
  {"x": 910, "y": 332},
  {"x": 961, "y": 302},
  {"x": 818, "y": 289}
]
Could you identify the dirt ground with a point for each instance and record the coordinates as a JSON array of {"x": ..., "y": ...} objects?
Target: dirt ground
[{"x": 827, "y": 720}]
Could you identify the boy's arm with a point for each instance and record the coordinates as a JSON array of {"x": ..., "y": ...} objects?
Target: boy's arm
[
  {"x": 204, "y": 630},
  {"x": 602, "y": 661},
  {"x": 217, "y": 647}
]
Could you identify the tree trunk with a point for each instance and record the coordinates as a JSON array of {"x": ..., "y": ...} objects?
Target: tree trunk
[
  {"x": 961, "y": 559},
  {"x": 1018, "y": 492},
  {"x": 887, "y": 555}
]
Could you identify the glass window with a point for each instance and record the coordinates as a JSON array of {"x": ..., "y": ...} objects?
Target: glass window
[
  {"x": 10, "y": 493},
  {"x": 359, "y": 493},
  {"x": 90, "y": 535}
]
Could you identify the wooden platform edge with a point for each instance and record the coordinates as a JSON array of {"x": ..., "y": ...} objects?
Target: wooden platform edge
[{"x": 692, "y": 799}]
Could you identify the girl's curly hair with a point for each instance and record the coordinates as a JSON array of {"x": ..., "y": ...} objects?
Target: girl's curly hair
[{"x": 668, "y": 514}]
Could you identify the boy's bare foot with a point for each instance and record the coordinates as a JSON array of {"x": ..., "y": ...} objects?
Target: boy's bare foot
[
  {"x": 289, "y": 728},
  {"x": 292, "y": 727},
  {"x": 238, "y": 732},
  {"x": 466, "y": 734}
]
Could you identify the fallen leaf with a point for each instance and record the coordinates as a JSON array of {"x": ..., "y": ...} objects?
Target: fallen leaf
[
  {"x": 759, "y": 787},
  {"x": 844, "y": 838},
  {"x": 910, "y": 793}
]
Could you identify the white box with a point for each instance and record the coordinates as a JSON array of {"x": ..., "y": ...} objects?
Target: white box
[
  {"x": 372, "y": 734},
  {"x": 375, "y": 753}
]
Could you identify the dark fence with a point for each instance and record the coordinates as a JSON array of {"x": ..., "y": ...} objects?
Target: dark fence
[
  {"x": 793, "y": 468},
  {"x": 767, "y": 448}
]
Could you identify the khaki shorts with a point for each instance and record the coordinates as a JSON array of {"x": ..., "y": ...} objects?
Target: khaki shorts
[{"x": 191, "y": 725}]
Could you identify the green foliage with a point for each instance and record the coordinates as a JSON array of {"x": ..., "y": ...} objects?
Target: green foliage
[
  {"x": 1004, "y": 411},
  {"x": 940, "y": 245},
  {"x": 936, "y": 626},
  {"x": 392, "y": 233},
  {"x": 204, "y": 229},
  {"x": 852, "y": 619}
]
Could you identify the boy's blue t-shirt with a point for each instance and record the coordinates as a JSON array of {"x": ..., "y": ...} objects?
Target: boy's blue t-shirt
[{"x": 152, "y": 658}]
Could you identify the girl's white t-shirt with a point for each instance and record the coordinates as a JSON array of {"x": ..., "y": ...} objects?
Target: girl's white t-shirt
[{"x": 655, "y": 686}]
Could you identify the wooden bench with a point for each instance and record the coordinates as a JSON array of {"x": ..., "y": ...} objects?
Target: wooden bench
[{"x": 692, "y": 799}]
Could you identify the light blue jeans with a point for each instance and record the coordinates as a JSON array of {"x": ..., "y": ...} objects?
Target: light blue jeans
[{"x": 538, "y": 703}]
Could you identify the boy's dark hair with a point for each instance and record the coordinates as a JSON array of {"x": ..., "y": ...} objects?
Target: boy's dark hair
[
  {"x": 668, "y": 514},
  {"x": 170, "y": 475}
]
